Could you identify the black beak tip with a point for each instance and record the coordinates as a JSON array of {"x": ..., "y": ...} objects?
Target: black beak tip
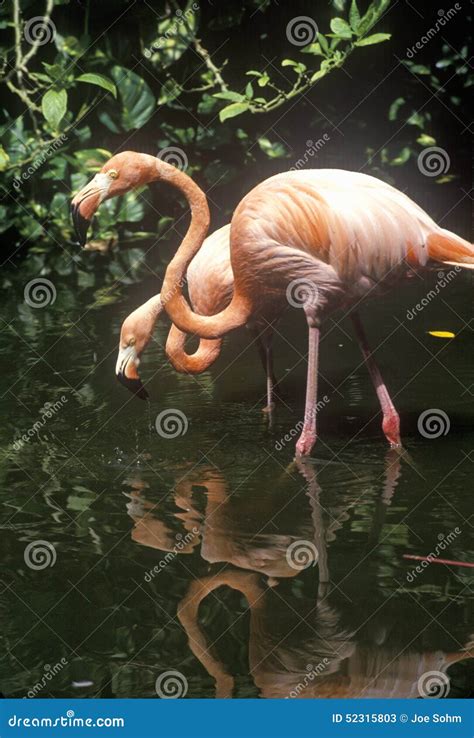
[
  {"x": 134, "y": 386},
  {"x": 81, "y": 225}
]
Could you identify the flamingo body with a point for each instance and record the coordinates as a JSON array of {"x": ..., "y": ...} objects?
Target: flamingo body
[{"x": 342, "y": 235}]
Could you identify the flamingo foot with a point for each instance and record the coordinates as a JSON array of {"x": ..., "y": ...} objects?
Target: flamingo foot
[
  {"x": 305, "y": 443},
  {"x": 391, "y": 429}
]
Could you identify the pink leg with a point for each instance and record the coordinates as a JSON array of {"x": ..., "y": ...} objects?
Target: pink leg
[
  {"x": 308, "y": 435},
  {"x": 264, "y": 339},
  {"x": 391, "y": 419}
]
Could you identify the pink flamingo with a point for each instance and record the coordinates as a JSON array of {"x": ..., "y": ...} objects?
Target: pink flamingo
[
  {"x": 330, "y": 236},
  {"x": 210, "y": 282}
]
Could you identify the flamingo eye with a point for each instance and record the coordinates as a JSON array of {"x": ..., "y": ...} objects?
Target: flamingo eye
[
  {"x": 131, "y": 342},
  {"x": 113, "y": 174}
]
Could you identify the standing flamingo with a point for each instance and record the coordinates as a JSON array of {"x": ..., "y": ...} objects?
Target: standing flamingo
[
  {"x": 210, "y": 283},
  {"x": 335, "y": 235}
]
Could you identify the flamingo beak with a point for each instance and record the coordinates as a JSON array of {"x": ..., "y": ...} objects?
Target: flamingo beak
[
  {"x": 126, "y": 372},
  {"x": 83, "y": 207}
]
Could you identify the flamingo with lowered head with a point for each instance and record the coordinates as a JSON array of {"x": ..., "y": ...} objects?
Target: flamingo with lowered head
[
  {"x": 210, "y": 284},
  {"x": 338, "y": 236}
]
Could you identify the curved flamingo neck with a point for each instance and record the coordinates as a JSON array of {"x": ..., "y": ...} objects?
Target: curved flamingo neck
[
  {"x": 206, "y": 326},
  {"x": 205, "y": 355}
]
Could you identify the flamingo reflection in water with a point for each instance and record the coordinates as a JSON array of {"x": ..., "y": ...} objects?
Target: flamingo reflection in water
[{"x": 329, "y": 645}]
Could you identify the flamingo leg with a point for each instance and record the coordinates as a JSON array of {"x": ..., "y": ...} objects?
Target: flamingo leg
[
  {"x": 307, "y": 438},
  {"x": 265, "y": 351},
  {"x": 391, "y": 419}
]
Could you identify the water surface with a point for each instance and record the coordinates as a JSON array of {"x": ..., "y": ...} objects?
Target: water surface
[{"x": 171, "y": 554}]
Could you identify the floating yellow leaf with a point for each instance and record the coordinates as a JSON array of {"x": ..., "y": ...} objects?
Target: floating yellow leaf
[{"x": 442, "y": 334}]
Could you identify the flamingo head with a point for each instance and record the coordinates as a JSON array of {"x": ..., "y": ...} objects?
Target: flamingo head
[
  {"x": 123, "y": 172},
  {"x": 135, "y": 335}
]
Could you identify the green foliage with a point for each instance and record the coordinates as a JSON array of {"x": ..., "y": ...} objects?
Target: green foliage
[
  {"x": 406, "y": 109},
  {"x": 351, "y": 33}
]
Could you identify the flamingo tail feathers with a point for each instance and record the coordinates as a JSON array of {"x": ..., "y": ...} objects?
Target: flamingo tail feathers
[{"x": 448, "y": 248}]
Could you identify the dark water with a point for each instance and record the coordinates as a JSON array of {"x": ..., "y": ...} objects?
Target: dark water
[{"x": 171, "y": 554}]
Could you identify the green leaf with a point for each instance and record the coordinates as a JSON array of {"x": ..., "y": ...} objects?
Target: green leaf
[
  {"x": 354, "y": 16},
  {"x": 249, "y": 91},
  {"x": 426, "y": 140},
  {"x": 263, "y": 80},
  {"x": 229, "y": 95},
  {"x": 138, "y": 101},
  {"x": 394, "y": 108},
  {"x": 376, "y": 38},
  {"x": 341, "y": 28},
  {"x": 131, "y": 210},
  {"x": 99, "y": 80},
  {"x": 323, "y": 43},
  {"x": 317, "y": 75},
  {"x": 232, "y": 110},
  {"x": 4, "y": 159},
  {"x": 274, "y": 150},
  {"x": 54, "y": 107},
  {"x": 289, "y": 63},
  {"x": 402, "y": 157}
]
